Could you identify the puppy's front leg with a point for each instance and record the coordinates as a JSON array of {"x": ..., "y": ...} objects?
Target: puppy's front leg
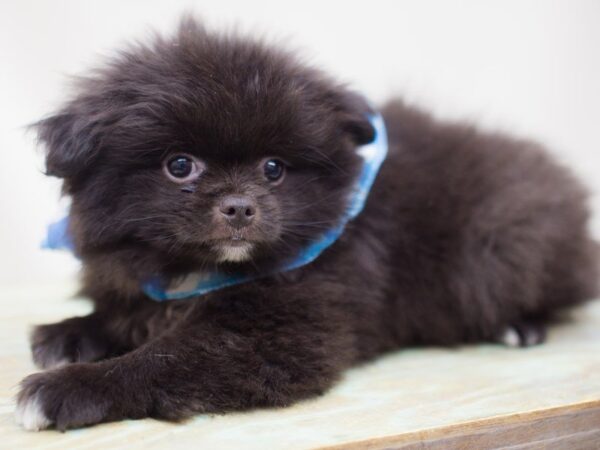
[
  {"x": 77, "y": 339},
  {"x": 228, "y": 361},
  {"x": 102, "y": 334}
]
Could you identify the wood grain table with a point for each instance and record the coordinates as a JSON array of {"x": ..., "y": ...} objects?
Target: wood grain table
[{"x": 479, "y": 397}]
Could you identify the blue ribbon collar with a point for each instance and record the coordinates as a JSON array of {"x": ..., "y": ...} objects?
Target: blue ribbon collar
[{"x": 197, "y": 284}]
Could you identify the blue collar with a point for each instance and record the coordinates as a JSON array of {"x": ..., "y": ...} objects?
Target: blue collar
[{"x": 197, "y": 284}]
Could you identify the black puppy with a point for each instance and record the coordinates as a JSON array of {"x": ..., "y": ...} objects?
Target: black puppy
[{"x": 213, "y": 153}]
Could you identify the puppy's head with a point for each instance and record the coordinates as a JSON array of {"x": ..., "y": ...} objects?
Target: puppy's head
[{"x": 205, "y": 149}]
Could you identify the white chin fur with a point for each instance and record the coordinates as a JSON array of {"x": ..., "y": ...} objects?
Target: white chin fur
[
  {"x": 30, "y": 416},
  {"x": 235, "y": 253}
]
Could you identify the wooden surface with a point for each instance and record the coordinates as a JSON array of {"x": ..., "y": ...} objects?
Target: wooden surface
[{"x": 472, "y": 397}]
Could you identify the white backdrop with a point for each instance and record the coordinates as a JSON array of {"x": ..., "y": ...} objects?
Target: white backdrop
[{"x": 529, "y": 67}]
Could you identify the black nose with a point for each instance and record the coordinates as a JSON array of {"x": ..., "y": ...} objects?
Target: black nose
[{"x": 238, "y": 210}]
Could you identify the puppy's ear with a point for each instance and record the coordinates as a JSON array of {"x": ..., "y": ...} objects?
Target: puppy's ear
[
  {"x": 71, "y": 142},
  {"x": 354, "y": 113}
]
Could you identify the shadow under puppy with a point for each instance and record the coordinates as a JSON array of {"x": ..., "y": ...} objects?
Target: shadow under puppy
[{"x": 215, "y": 153}]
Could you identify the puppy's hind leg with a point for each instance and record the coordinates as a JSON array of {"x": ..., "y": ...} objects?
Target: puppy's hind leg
[{"x": 523, "y": 334}]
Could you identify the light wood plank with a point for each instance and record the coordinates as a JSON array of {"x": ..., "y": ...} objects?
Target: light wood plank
[{"x": 469, "y": 397}]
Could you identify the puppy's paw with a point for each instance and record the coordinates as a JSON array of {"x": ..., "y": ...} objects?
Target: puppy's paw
[
  {"x": 29, "y": 413},
  {"x": 524, "y": 334},
  {"x": 73, "y": 340},
  {"x": 68, "y": 397}
]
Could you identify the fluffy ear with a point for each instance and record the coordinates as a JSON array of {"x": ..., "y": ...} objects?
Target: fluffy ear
[
  {"x": 354, "y": 113},
  {"x": 71, "y": 142}
]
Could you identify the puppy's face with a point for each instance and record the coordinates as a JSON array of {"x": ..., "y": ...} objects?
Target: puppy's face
[{"x": 206, "y": 150}]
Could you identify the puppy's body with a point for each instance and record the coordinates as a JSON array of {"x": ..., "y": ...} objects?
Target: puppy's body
[{"x": 465, "y": 236}]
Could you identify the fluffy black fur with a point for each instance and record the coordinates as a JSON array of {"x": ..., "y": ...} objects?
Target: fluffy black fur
[{"x": 465, "y": 235}]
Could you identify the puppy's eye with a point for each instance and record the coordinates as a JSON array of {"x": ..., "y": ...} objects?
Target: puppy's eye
[
  {"x": 182, "y": 168},
  {"x": 274, "y": 169}
]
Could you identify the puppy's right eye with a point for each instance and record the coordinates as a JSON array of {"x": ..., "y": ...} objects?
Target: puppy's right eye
[{"x": 182, "y": 168}]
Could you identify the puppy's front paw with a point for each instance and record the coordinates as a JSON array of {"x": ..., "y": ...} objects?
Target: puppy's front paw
[
  {"x": 68, "y": 397},
  {"x": 29, "y": 413},
  {"x": 73, "y": 340}
]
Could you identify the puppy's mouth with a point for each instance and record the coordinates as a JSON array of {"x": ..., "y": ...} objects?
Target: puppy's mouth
[{"x": 233, "y": 250}]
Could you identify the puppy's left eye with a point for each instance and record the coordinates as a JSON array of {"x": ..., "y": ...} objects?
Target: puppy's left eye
[
  {"x": 274, "y": 169},
  {"x": 182, "y": 168}
]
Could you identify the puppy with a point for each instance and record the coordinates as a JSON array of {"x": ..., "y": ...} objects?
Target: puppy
[{"x": 215, "y": 154}]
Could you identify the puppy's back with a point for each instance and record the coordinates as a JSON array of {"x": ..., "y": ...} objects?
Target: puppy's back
[{"x": 488, "y": 226}]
